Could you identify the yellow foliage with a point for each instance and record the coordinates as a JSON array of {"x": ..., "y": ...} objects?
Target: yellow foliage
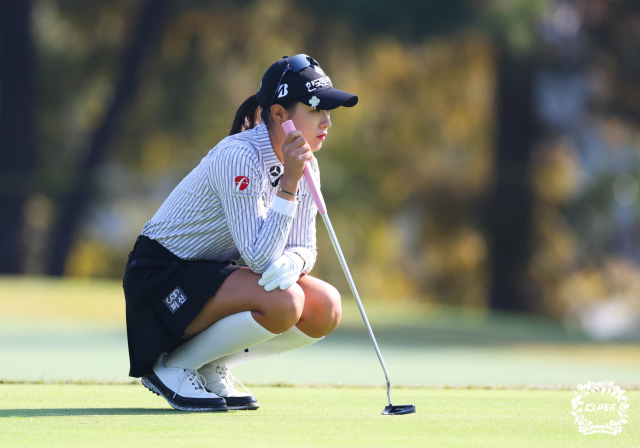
[
  {"x": 90, "y": 258},
  {"x": 557, "y": 172},
  {"x": 158, "y": 151}
]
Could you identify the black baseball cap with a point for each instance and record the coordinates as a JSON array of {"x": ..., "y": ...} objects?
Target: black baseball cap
[{"x": 310, "y": 85}]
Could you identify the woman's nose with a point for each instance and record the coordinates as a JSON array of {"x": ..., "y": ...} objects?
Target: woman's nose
[{"x": 326, "y": 123}]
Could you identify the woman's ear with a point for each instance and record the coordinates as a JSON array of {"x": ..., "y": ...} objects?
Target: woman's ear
[{"x": 279, "y": 113}]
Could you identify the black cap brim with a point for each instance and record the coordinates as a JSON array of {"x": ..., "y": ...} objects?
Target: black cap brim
[{"x": 331, "y": 99}]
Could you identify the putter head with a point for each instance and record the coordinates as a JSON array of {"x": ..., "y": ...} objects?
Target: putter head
[{"x": 399, "y": 410}]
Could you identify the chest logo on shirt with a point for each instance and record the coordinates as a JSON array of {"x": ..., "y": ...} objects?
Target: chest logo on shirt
[
  {"x": 241, "y": 182},
  {"x": 175, "y": 299},
  {"x": 276, "y": 172}
]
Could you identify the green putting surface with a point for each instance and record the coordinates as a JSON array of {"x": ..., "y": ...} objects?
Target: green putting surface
[{"x": 130, "y": 416}]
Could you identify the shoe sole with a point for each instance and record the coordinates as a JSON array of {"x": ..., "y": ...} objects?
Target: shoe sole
[
  {"x": 150, "y": 384},
  {"x": 242, "y": 403},
  {"x": 241, "y": 406}
]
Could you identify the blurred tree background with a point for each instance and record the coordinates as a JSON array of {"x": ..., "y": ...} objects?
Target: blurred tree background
[{"x": 492, "y": 162}]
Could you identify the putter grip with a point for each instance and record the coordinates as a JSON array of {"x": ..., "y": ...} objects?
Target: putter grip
[{"x": 288, "y": 126}]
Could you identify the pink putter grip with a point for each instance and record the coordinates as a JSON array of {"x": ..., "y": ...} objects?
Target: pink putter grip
[{"x": 288, "y": 126}]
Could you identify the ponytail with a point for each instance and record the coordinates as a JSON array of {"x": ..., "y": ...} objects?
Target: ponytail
[{"x": 247, "y": 116}]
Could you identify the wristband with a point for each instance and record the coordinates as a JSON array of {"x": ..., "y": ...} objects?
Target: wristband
[
  {"x": 304, "y": 262},
  {"x": 285, "y": 191}
]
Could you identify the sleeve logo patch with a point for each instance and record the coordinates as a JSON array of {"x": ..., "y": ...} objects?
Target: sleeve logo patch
[
  {"x": 175, "y": 300},
  {"x": 241, "y": 183}
]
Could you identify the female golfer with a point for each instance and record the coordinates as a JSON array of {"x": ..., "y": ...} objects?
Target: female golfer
[{"x": 192, "y": 311}]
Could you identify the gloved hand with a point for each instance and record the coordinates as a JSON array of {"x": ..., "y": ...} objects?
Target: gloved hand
[{"x": 283, "y": 273}]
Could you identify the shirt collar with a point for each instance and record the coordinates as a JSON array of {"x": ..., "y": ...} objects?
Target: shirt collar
[{"x": 269, "y": 156}]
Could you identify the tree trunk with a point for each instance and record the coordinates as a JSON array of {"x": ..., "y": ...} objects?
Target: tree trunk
[
  {"x": 509, "y": 211},
  {"x": 17, "y": 133},
  {"x": 74, "y": 204}
]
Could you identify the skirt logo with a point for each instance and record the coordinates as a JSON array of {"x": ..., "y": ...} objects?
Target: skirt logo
[{"x": 175, "y": 300}]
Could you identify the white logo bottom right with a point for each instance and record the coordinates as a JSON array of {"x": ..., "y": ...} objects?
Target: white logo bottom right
[{"x": 599, "y": 408}]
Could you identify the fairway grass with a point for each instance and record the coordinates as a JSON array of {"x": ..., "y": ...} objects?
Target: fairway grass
[
  {"x": 73, "y": 329},
  {"x": 129, "y": 416}
]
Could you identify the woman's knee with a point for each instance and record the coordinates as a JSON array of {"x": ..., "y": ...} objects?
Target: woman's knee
[
  {"x": 292, "y": 302},
  {"x": 285, "y": 308},
  {"x": 333, "y": 307},
  {"x": 323, "y": 311}
]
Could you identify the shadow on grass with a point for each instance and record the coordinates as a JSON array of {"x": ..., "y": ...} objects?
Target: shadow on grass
[{"x": 66, "y": 412}]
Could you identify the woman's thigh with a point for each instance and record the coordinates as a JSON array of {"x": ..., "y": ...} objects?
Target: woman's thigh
[
  {"x": 311, "y": 304},
  {"x": 276, "y": 310}
]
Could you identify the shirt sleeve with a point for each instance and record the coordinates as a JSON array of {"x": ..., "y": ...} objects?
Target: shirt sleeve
[
  {"x": 302, "y": 238},
  {"x": 259, "y": 234}
]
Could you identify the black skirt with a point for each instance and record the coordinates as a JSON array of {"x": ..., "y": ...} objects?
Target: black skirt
[{"x": 164, "y": 293}]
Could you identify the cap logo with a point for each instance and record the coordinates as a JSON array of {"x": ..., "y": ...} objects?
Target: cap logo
[
  {"x": 317, "y": 83},
  {"x": 314, "y": 101},
  {"x": 283, "y": 90}
]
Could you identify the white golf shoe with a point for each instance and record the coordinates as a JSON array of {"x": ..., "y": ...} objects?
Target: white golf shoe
[
  {"x": 220, "y": 381},
  {"x": 184, "y": 389}
]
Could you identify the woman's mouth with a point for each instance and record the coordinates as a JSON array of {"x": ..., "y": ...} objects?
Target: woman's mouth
[{"x": 322, "y": 137}]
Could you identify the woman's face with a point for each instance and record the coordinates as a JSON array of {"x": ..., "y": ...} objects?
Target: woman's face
[{"x": 313, "y": 123}]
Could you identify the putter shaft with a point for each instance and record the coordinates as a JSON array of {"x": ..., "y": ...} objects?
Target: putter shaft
[{"x": 345, "y": 268}]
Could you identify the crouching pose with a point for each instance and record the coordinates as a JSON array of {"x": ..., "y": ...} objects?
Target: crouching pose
[{"x": 193, "y": 311}]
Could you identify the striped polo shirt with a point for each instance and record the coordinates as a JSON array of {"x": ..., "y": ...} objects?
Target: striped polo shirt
[{"x": 227, "y": 208}]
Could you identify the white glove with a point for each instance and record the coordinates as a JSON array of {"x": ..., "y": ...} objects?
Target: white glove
[{"x": 283, "y": 273}]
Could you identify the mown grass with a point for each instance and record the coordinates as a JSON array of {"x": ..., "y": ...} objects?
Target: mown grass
[
  {"x": 130, "y": 416},
  {"x": 477, "y": 379}
]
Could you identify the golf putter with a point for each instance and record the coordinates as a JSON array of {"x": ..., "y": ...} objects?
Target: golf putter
[{"x": 392, "y": 409}]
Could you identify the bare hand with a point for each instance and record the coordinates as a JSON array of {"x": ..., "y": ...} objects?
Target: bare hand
[{"x": 295, "y": 153}]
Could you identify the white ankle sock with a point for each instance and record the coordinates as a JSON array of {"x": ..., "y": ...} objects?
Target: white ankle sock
[
  {"x": 226, "y": 336},
  {"x": 291, "y": 339}
]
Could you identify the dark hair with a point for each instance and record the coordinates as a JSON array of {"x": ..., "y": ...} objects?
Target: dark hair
[{"x": 248, "y": 116}]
